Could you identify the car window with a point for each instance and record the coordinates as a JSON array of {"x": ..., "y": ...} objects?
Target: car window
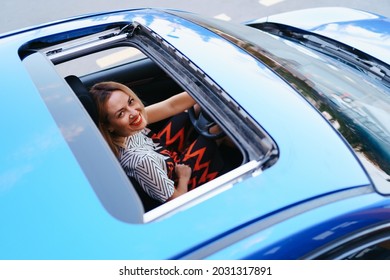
[
  {"x": 369, "y": 244},
  {"x": 379, "y": 251}
]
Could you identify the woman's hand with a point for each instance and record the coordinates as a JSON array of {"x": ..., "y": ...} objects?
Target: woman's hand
[{"x": 183, "y": 173}]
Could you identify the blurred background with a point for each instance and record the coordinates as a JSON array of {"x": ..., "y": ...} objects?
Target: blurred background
[{"x": 17, "y": 14}]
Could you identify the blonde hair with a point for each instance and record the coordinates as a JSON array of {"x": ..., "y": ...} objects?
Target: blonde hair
[{"x": 101, "y": 92}]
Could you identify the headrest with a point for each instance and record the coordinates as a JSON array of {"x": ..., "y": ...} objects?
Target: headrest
[{"x": 84, "y": 96}]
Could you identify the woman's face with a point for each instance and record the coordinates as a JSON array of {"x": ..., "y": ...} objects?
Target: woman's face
[{"x": 125, "y": 114}]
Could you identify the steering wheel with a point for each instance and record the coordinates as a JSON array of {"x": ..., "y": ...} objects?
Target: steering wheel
[{"x": 202, "y": 124}]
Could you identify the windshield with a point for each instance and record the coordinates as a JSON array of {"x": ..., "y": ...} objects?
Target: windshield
[{"x": 356, "y": 102}]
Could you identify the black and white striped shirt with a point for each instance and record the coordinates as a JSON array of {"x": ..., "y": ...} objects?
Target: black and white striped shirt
[{"x": 141, "y": 161}]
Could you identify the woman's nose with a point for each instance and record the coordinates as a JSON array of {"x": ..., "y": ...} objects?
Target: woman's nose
[{"x": 132, "y": 113}]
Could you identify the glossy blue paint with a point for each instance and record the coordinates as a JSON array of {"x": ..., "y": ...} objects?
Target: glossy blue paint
[
  {"x": 315, "y": 228},
  {"x": 49, "y": 210}
]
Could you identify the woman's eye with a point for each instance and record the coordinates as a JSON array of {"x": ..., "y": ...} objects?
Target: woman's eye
[
  {"x": 130, "y": 101},
  {"x": 120, "y": 114}
]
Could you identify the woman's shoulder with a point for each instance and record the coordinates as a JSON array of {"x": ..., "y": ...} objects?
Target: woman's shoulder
[
  {"x": 136, "y": 155},
  {"x": 138, "y": 139}
]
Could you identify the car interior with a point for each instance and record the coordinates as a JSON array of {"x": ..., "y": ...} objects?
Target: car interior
[{"x": 152, "y": 85}]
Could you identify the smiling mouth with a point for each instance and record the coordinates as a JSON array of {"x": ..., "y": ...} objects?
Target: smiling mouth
[{"x": 137, "y": 121}]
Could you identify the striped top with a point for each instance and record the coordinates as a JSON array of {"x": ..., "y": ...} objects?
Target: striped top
[{"x": 141, "y": 160}]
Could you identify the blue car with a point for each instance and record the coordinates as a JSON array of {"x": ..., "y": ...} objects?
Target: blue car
[{"x": 305, "y": 103}]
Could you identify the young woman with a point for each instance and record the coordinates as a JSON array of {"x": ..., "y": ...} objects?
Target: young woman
[{"x": 167, "y": 163}]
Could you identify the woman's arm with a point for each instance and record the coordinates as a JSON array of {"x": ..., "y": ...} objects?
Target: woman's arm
[
  {"x": 169, "y": 107},
  {"x": 151, "y": 177},
  {"x": 155, "y": 181}
]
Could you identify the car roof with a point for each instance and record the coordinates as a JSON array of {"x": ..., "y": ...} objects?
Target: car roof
[{"x": 48, "y": 197}]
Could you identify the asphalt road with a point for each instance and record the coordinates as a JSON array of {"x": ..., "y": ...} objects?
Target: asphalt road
[{"x": 17, "y": 14}]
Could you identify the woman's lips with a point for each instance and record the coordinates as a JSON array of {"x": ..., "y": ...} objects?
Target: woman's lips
[{"x": 137, "y": 121}]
